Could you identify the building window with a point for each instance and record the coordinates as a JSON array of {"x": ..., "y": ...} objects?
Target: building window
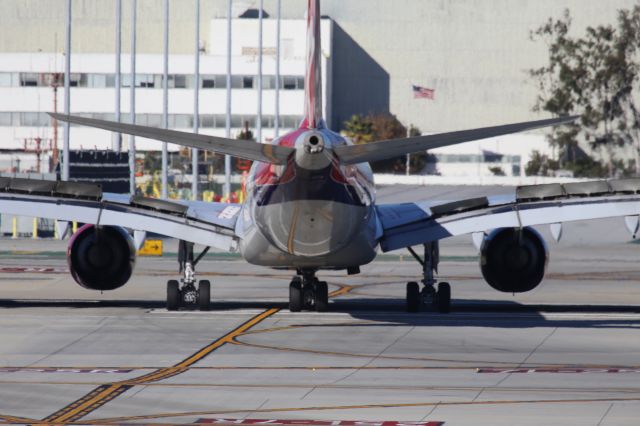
[
  {"x": 8, "y": 79},
  {"x": 74, "y": 79},
  {"x": 208, "y": 82},
  {"x": 221, "y": 81},
  {"x": 247, "y": 82},
  {"x": 289, "y": 83},
  {"x": 28, "y": 79},
  {"x": 207, "y": 121},
  {"x": 145, "y": 80},
  {"x": 179, "y": 81},
  {"x": 5, "y": 119}
]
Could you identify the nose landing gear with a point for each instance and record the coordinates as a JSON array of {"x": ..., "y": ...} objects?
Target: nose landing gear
[
  {"x": 188, "y": 295},
  {"x": 438, "y": 297},
  {"x": 307, "y": 292}
]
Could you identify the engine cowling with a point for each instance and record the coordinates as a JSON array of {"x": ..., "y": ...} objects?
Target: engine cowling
[
  {"x": 513, "y": 260},
  {"x": 101, "y": 259}
]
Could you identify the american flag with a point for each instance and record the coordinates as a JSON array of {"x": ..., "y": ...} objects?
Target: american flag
[{"x": 420, "y": 92}]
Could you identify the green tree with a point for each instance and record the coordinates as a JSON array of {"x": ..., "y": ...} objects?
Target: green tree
[
  {"x": 383, "y": 126},
  {"x": 596, "y": 76},
  {"x": 359, "y": 129}
]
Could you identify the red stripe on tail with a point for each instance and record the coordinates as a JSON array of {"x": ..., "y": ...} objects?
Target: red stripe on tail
[{"x": 313, "y": 77}]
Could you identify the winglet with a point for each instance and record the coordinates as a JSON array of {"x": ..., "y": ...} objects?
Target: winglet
[{"x": 313, "y": 76}]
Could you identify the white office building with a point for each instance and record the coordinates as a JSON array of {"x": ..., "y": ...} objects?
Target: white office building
[{"x": 27, "y": 92}]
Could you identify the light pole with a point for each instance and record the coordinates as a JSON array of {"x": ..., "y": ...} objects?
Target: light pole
[
  {"x": 132, "y": 107},
  {"x": 196, "y": 106},
  {"x": 227, "y": 158},
  {"x": 165, "y": 99},
  {"x": 67, "y": 98}
]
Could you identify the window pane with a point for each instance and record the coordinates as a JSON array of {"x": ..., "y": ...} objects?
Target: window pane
[
  {"x": 207, "y": 121},
  {"x": 247, "y": 82},
  {"x": 5, "y": 79},
  {"x": 5, "y": 118},
  {"x": 183, "y": 121},
  {"x": 208, "y": 82},
  {"x": 110, "y": 80},
  {"x": 97, "y": 80},
  {"x": 236, "y": 82},
  {"x": 157, "y": 80},
  {"x": 300, "y": 83},
  {"x": 289, "y": 83},
  {"x": 28, "y": 79},
  {"x": 180, "y": 81},
  {"x": 155, "y": 120},
  {"x": 30, "y": 119},
  {"x": 221, "y": 81}
]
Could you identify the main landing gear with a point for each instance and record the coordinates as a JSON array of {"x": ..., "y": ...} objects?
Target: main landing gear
[
  {"x": 306, "y": 292},
  {"x": 188, "y": 295},
  {"x": 440, "y": 298}
]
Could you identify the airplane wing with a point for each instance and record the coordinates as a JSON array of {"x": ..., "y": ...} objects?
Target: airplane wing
[
  {"x": 210, "y": 224},
  {"x": 408, "y": 224},
  {"x": 248, "y": 150},
  {"x": 382, "y": 150}
]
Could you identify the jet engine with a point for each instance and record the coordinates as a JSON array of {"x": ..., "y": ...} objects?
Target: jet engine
[
  {"x": 101, "y": 258},
  {"x": 513, "y": 260}
]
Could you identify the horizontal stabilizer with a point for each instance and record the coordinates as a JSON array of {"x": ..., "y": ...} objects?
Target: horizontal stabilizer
[
  {"x": 248, "y": 150},
  {"x": 382, "y": 150}
]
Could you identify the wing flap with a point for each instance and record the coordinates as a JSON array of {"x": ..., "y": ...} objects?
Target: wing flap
[
  {"x": 248, "y": 150},
  {"x": 211, "y": 224},
  {"x": 530, "y": 207},
  {"x": 382, "y": 150}
]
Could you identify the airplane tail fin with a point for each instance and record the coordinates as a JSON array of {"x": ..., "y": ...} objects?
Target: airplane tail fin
[{"x": 313, "y": 76}]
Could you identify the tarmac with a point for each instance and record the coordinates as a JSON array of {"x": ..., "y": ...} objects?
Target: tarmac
[{"x": 566, "y": 353}]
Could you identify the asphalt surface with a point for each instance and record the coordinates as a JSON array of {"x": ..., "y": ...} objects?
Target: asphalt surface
[{"x": 566, "y": 353}]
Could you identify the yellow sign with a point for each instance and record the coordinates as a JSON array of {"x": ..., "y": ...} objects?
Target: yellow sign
[{"x": 151, "y": 248}]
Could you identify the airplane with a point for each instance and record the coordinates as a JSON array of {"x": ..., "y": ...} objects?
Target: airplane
[{"x": 311, "y": 206}]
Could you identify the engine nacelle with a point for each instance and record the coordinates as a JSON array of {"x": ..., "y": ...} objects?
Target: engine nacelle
[
  {"x": 512, "y": 260},
  {"x": 101, "y": 259}
]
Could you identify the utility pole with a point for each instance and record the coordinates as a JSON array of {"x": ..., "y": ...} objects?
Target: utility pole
[
  {"x": 67, "y": 97},
  {"x": 132, "y": 108},
  {"x": 227, "y": 158},
  {"x": 276, "y": 122},
  {"x": 118, "y": 143},
  {"x": 259, "y": 112},
  {"x": 165, "y": 100},
  {"x": 196, "y": 106}
]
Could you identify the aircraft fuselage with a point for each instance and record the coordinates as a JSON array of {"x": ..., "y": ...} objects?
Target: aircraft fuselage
[{"x": 311, "y": 212}]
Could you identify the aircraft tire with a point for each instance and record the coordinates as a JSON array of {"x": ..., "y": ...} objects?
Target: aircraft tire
[
  {"x": 443, "y": 298},
  {"x": 413, "y": 297},
  {"x": 322, "y": 296},
  {"x": 295, "y": 296},
  {"x": 173, "y": 295},
  {"x": 204, "y": 295}
]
